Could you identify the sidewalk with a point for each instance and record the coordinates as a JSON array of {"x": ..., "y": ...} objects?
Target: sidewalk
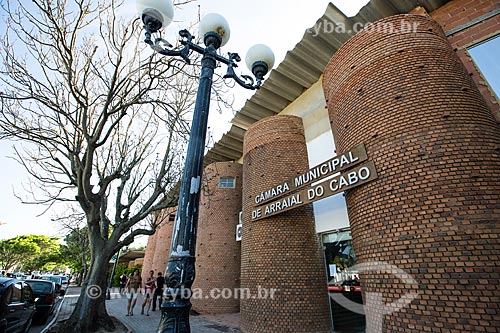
[
  {"x": 117, "y": 307},
  {"x": 65, "y": 309}
]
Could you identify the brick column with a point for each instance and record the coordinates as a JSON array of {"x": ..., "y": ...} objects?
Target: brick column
[
  {"x": 280, "y": 252},
  {"x": 434, "y": 210},
  {"x": 149, "y": 255},
  {"x": 217, "y": 251},
  {"x": 163, "y": 240}
]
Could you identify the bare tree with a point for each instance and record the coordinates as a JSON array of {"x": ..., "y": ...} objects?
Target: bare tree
[{"x": 102, "y": 122}]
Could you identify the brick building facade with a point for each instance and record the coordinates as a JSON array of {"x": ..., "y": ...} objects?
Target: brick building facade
[
  {"x": 433, "y": 211},
  {"x": 217, "y": 251},
  {"x": 429, "y": 119}
]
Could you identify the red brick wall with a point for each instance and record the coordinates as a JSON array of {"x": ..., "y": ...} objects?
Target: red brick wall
[
  {"x": 149, "y": 255},
  {"x": 281, "y": 251},
  {"x": 158, "y": 246},
  {"x": 217, "y": 251},
  {"x": 434, "y": 210},
  {"x": 163, "y": 241},
  {"x": 459, "y": 12}
]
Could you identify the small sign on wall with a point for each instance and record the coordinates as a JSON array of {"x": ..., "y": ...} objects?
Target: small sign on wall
[{"x": 238, "y": 232}]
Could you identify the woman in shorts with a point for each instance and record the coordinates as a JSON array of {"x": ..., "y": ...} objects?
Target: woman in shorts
[
  {"x": 133, "y": 288},
  {"x": 149, "y": 288}
]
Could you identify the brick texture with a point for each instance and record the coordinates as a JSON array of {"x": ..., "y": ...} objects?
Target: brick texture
[
  {"x": 459, "y": 12},
  {"x": 149, "y": 255},
  {"x": 163, "y": 241},
  {"x": 434, "y": 210},
  {"x": 281, "y": 251},
  {"x": 158, "y": 245},
  {"x": 217, "y": 251}
]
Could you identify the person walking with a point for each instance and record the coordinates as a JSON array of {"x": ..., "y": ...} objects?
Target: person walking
[
  {"x": 133, "y": 288},
  {"x": 123, "y": 282},
  {"x": 149, "y": 286},
  {"x": 158, "y": 293}
]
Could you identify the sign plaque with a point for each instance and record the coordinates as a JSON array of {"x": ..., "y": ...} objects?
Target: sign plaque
[{"x": 315, "y": 184}]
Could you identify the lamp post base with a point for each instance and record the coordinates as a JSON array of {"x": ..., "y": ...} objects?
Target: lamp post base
[{"x": 175, "y": 316}]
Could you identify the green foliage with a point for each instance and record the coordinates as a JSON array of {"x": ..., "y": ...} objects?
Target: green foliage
[
  {"x": 48, "y": 256},
  {"x": 29, "y": 252},
  {"x": 16, "y": 250},
  {"x": 120, "y": 269},
  {"x": 76, "y": 252}
]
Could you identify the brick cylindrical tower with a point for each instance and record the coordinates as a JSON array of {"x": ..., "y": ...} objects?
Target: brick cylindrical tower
[
  {"x": 163, "y": 240},
  {"x": 149, "y": 255},
  {"x": 434, "y": 211},
  {"x": 280, "y": 254},
  {"x": 217, "y": 251}
]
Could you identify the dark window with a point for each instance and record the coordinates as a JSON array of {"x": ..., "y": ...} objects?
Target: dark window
[
  {"x": 226, "y": 182},
  {"x": 339, "y": 255},
  {"x": 27, "y": 294},
  {"x": 16, "y": 295},
  {"x": 342, "y": 278},
  {"x": 41, "y": 287},
  {"x": 485, "y": 55}
]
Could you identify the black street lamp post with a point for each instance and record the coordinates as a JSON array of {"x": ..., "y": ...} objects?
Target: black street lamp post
[
  {"x": 110, "y": 283},
  {"x": 180, "y": 271}
]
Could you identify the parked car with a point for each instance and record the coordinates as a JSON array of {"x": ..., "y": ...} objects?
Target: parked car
[
  {"x": 17, "y": 275},
  {"x": 17, "y": 306},
  {"x": 57, "y": 280},
  {"x": 45, "y": 294},
  {"x": 65, "y": 282}
]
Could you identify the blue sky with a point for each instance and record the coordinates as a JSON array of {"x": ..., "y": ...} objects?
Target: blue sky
[
  {"x": 485, "y": 56},
  {"x": 277, "y": 23}
]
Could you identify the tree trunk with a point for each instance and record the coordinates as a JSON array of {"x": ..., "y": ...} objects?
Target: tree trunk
[
  {"x": 90, "y": 311},
  {"x": 84, "y": 263}
]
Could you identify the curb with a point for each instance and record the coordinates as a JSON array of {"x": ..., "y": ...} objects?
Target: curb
[
  {"x": 53, "y": 321},
  {"x": 48, "y": 326}
]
